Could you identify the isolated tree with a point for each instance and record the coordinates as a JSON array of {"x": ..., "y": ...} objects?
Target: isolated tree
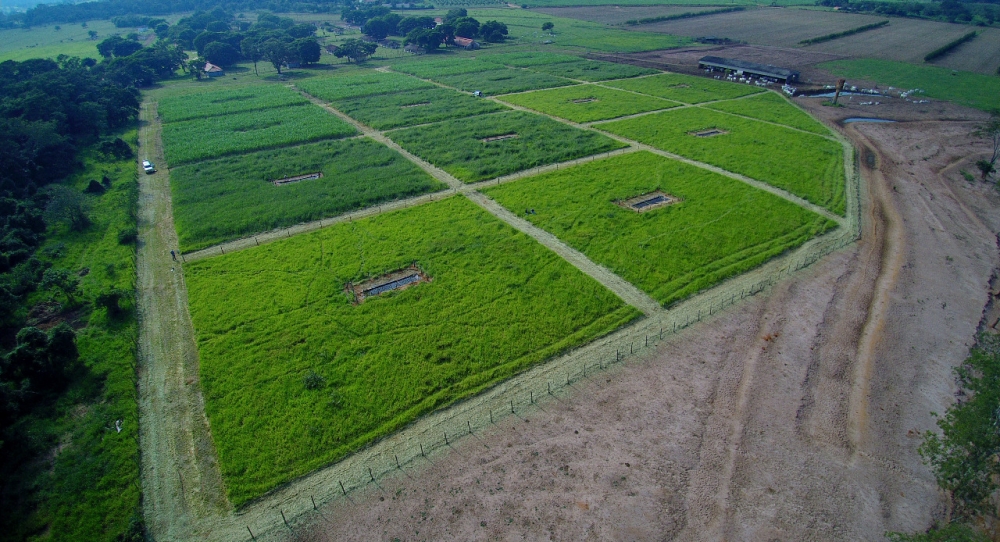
[
  {"x": 221, "y": 54},
  {"x": 990, "y": 131},
  {"x": 251, "y": 50},
  {"x": 63, "y": 281},
  {"x": 275, "y": 52},
  {"x": 547, "y": 27},
  {"x": 92, "y": 34},
  {"x": 377, "y": 28},
  {"x": 302, "y": 31},
  {"x": 356, "y": 50},
  {"x": 467, "y": 27},
  {"x": 307, "y": 50},
  {"x": 66, "y": 206},
  {"x": 493, "y": 31}
]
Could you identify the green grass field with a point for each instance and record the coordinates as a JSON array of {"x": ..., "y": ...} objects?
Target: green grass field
[
  {"x": 497, "y": 303},
  {"x": 71, "y": 39},
  {"x": 772, "y": 107},
  {"x": 429, "y": 67},
  {"x": 806, "y": 165},
  {"x": 457, "y": 146},
  {"x": 586, "y": 103},
  {"x": 386, "y": 111},
  {"x": 720, "y": 228},
  {"x": 527, "y": 59},
  {"x": 593, "y": 70},
  {"x": 226, "y": 199},
  {"x": 359, "y": 85},
  {"x": 200, "y": 139},
  {"x": 965, "y": 88},
  {"x": 227, "y": 102},
  {"x": 502, "y": 81},
  {"x": 685, "y": 88}
]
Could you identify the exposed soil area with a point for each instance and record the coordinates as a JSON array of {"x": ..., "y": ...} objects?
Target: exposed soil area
[{"x": 794, "y": 416}]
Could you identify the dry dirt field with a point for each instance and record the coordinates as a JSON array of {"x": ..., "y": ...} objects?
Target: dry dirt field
[{"x": 794, "y": 416}]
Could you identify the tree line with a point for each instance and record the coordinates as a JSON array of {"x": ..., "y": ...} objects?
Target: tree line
[
  {"x": 378, "y": 23},
  {"x": 980, "y": 12}
]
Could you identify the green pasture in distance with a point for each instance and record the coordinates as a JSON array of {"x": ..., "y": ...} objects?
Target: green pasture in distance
[
  {"x": 364, "y": 84},
  {"x": 201, "y": 139},
  {"x": 586, "y": 103},
  {"x": 772, "y": 107},
  {"x": 806, "y": 165},
  {"x": 225, "y": 102},
  {"x": 221, "y": 200},
  {"x": 462, "y": 147},
  {"x": 527, "y": 59},
  {"x": 430, "y": 69},
  {"x": 265, "y": 318},
  {"x": 593, "y": 70},
  {"x": 720, "y": 228},
  {"x": 525, "y": 27},
  {"x": 685, "y": 88},
  {"x": 965, "y": 88},
  {"x": 386, "y": 111},
  {"x": 72, "y": 39},
  {"x": 502, "y": 81}
]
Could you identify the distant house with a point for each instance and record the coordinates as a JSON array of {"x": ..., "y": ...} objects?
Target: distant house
[
  {"x": 332, "y": 49},
  {"x": 212, "y": 70},
  {"x": 466, "y": 43},
  {"x": 438, "y": 20}
]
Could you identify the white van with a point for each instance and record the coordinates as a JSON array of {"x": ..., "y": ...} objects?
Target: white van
[{"x": 147, "y": 166}]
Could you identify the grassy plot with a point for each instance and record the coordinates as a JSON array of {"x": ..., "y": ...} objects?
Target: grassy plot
[
  {"x": 720, "y": 227},
  {"x": 527, "y": 59},
  {"x": 227, "y": 199},
  {"x": 269, "y": 317},
  {"x": 484, "y": 147},
  {"x": 772, "y": 107},
  {"x": 386, "y": 111},
  {"x": 585, "y": 103},
  {"x": 430, "y": 69},
  {"x": 21, "y": 44},
  {"x": 227, "y": 102},
  {"x": 199, "y": 139},
  {"x": 593, "y": 70},
  {"x": 806, "y": 165},
  {"x": 966, "y": 88},
  {"x": 502, "y": 81},
  {"x": 365, "y": 84},
  {"x": 685, "y": 88}
]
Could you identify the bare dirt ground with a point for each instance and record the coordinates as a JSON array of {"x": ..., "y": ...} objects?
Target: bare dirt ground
[{"x": 793, "y": 416}]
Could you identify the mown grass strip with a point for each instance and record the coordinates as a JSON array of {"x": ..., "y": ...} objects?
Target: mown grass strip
[
  {"x": 359, "y": 85},
  {"x": 502, "y": 81},
  {"x": 385, "y": 111},
  {"x": 685, "y": 88},
  {"x": 227, "y": 102},
  {"x": 221, "y": 200},
  {"x": 685, "y": 15},
  {"x": 201, "y": 139},
  {"x": 593, "y": 70},
  {"x": 295, "y": 376},
  {"x": 429, "y": 69},
  {"x": 950, "y": 46},
  {"x": 811, "y": 167},
  {"x": 772, "y": 107},
  {"x": 528, "y": 59},
  {"x": 844, "y": 34},
  {"x": 720, "y": 228},
  {"x": 488, "y": 146},
  {"x": 586, "y": 103}
]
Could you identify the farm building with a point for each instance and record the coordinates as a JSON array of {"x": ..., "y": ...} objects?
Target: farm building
[
  {"x": 213, "y": 71},
  {"x": 466, "y": 43},
  {"x": 743, "y": 67}
]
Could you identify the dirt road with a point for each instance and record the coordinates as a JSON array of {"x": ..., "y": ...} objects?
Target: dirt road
[{"x": 793, "y": 416}]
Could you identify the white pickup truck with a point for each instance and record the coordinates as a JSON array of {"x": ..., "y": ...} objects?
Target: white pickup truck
[{"x": 147, "y": 166}]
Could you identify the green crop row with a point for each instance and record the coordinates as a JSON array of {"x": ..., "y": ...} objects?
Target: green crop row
[
  {"x": 806, "y": 165},
  {"x": 227, "y": 102},
  {"x": 593, "y": 70},
  {"x": 685, "y": 88},
  {"x": 586, "y": 103},
  {"x": 772, "y": 107},
  {"x": 295, "y": 376},
  {"x": 527, "y": 59},
  {"x": 463, "y": 147},
  {"x": 200, "y": 139},
  {"x": 718, "y": 229},
  {"x": 221, "y": 200},
  {"x": 502, "y": 81},
  {"x": 355, "y": 86},
  {"x": 430, "y": 69},
  {"x": 387, "y": 111}
]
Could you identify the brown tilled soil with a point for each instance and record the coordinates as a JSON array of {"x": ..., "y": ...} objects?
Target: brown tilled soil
[{"x": 795, "y": 416}]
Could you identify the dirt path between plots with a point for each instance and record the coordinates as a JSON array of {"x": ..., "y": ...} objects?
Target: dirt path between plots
[
  {"x": 180, "y": 478},
  {"x": 792, "y": 416}
]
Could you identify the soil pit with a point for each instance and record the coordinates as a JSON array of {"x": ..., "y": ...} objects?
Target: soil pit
[
  {"x": 648, "y": 201},
  {"x": 297, "y": 178},
  {"x": 585, "y": 100},
  {"x": 708, "y": 133},
  {"x": 399, "y": 279},
  {"x": 499, "y": 138}
]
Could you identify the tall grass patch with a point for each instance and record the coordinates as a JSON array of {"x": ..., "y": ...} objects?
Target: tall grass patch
[
  {"x": 502, "y": 81},
  {"x": 586, "y": 103},
  {"x": 221, "y": 200},
  {"x": 358, "y": 85},
  {"x": 685, "y": 88},
  {"x": 593, "y": 70},
  {"x": 719, "y": 228},
  {"x": 295, "y": 376},
  {"x": 772, "y": 107},
  {"x": 480, "y": 148},
  {"x": 806, "y": 165},
  {"x": 227, "y": 102},
  {"x": 527, "y": 59},
  {"x": 200, "y": 139},
  {"x": 430, "y": 69},
  {"x": 385, "y": 111}
]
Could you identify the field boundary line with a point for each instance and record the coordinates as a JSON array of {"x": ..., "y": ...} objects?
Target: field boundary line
[{"x": 545, "y": 169}]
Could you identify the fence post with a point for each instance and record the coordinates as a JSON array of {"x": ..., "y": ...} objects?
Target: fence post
[
  {"x": 313, "y": 499},
  {"x": 371, "y": 474},
  {"x": 251, "y": 533},
  {"x": 342, "y": 488},
  {"x": 470, "y": 425},
  {"x": 283, "y": 518},
  {"x": 511, "y": 406},
  {"x": 397, "y": 461}
]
